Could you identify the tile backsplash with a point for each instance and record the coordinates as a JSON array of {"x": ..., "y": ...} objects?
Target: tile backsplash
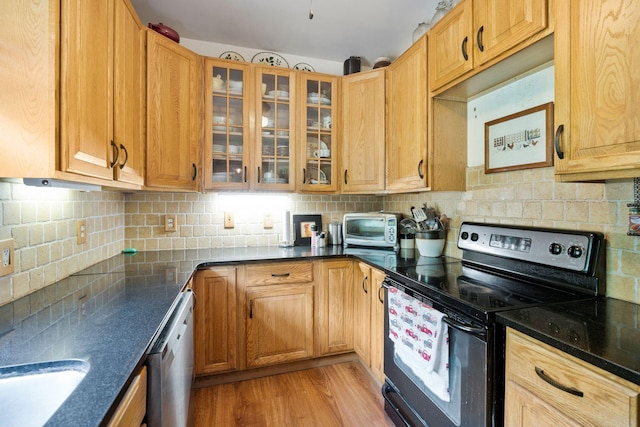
[{"x": 43, "y": 221}]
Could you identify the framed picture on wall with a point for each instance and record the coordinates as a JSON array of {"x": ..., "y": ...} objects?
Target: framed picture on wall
[
  {"x": 519, "y": 141},
  {"x": 302, "y": 227}
]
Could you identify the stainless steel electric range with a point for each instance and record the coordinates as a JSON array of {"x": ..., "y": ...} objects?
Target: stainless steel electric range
[{"x": 444, "y": 351}]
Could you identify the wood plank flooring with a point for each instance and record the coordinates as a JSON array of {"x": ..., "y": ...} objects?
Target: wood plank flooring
[{"x": 343, "y": 394}]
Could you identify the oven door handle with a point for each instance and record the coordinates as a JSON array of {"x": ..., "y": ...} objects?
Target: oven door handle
[
  {"x": 480, "y": 332},
  {"x": 386, "y": 389}
]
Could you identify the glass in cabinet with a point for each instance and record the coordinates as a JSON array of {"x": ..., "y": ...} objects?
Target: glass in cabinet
[
  {"x": 227, "y": 119},
  {"x": 275, "y": 112},
  {"x": 317, "y": 146}
]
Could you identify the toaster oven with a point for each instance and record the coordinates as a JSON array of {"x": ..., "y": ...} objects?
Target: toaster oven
[{"x": 371, "y": 229}]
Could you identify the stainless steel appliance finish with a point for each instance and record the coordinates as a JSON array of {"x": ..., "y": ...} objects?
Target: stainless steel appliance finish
[
  {"x": 170, "y": 367},
  {"x": 502, "y": 268},
  {"x": 371, "y": 229}
]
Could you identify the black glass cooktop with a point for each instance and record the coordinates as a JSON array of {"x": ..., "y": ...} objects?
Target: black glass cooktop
[{"x": 468, "y": 289}]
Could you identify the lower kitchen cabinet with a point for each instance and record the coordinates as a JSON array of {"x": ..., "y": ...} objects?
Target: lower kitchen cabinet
[
  {"x": 334, "y": 308},
  {"x": 216, "y": 320},
  {"x": 278, "y": 313},
  {"x": 368, "y": 311},
  {"x": 545, "y": 386},
  {"x": 133, "y": 406}
]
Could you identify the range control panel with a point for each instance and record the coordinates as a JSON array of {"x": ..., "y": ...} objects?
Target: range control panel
[{"x": 566, "y": 249}]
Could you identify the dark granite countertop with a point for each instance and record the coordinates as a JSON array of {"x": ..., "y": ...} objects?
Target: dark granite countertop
[
  {"x": 604, "y": 332},
  {"x": 108, "y": 315}
]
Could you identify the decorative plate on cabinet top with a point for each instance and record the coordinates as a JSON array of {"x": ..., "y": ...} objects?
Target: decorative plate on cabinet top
[
  {"x": 270, "y": 58},
  {"x": 303, "y": 66},
  {"x": 234, "y": 56}
]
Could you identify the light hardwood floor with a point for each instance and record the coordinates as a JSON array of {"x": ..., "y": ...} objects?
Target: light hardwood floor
[{"x": 343, "y": 394}]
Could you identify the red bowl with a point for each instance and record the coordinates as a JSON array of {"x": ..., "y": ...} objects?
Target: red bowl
[{"x": 165, "y": 31}]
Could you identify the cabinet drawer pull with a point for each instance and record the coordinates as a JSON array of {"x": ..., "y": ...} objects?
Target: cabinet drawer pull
[
  {"x": 364, "y": 281},
  {"x": 195, "y": 172},
  {"x": 380, "y": 296},
  {"x": 304, "y": 175},
  {"x": 258, "y": 174},
  {"x": 345, "y": 177},
  {"x": 420, "y": 174},
  {"x": 245, "y": 174},
  {"x": 250, "y": 309},
  {"x": 465, "y": 55},
  {"x": 479, "y": 39},
  {"x": 116, "y": 152},
  {"x": 556, "y": 142},
  {"x": 557, "y": 385},
  {"x": 280, "y": 274},
  {"x": 126, "y": 156}
]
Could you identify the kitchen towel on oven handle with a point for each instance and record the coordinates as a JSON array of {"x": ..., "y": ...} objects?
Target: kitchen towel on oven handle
[{"x": 421, "y": 340}]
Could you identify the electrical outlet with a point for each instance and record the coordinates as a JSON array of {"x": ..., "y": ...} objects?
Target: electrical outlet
[
  {"x": 82, "y": 306},
  {"x": 228, "y": 220},
  {"x": 7, "y": 255},
  {"x": 267, "y": 221},
  {"x": 170, "y": 223},
  {"x": 81, "y": 231}
]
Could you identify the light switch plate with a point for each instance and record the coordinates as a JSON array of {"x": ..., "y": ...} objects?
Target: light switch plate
[
  {"x": 7, "y": 257},
  {"x": 228, "y": 220}
]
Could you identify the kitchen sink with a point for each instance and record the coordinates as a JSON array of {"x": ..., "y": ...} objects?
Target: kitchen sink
[{"x": 30, "y": 394}]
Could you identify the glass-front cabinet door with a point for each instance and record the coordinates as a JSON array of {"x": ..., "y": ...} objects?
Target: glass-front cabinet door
[
  {"x": 318, "y": 124},
  {"x": 274, "y": 154},
  {"x": 227, "y": 124}
]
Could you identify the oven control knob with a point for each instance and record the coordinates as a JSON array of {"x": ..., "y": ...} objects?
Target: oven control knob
[
  {"x": 555, "y": 249},
  {"x": 575, "y": 251},
  {"x": 474, "y": 237},
  {"x": 464, "y": 235}
]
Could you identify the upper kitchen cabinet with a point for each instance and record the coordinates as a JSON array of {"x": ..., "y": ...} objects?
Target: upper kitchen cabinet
[
  {"x": 274, "y": 150},
  {"x": 476, "y": 34},
  {"x": 406, "y": 143},
  {"x": 597, "y": 87},
  {"x": 28, "y": 85},
  {"x": 130, "y": 89},
  {"x": 317, "y": 125},
  {"x": 174, "y": 100},
  {"x": 362, "y": 148},
  {"x": 102, "y": 86},
  {"x": 227, "y": 124}
]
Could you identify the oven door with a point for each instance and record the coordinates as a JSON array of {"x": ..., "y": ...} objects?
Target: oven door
[{"x": 409, "y": 399}]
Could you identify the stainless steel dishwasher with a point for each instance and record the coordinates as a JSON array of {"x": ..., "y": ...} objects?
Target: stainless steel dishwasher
[{"x": 170, "y": 368}]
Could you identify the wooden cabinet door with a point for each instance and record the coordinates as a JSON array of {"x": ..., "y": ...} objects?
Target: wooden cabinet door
[
  {"x": 500, "y": 25},
  {"x": 86, "y": 88},
  {"x": 216, "y": 320},
  {"x": 597, "y": 86},
  {"x": 525, "y": 409},
  {"x": 406, "y": 143},
  {"x": 173, "y": 123},
  {"x": 318, "y": 126},
  {"x": 334, "y": 309},
  {"x": 227, "y": 147},
  {"x": 362, "y": 151},
  {"x": 362, "y": 289},
  {"x": 275, "y": 149},
  {"x": 279, "y": 323},
  {"x": 377, "y": 324},
  {"x": 28, "y": 84},
  {"x": 451, "y": 45},
  {"x": 130, "y": 88}
]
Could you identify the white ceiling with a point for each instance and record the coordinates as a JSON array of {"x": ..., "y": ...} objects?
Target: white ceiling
[{"x": 338, "y": 30}]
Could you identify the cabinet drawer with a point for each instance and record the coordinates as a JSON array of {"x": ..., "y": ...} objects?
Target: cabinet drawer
[
  {"x": 606, "y": 399},
  {"x": 279, "y": 273}
]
